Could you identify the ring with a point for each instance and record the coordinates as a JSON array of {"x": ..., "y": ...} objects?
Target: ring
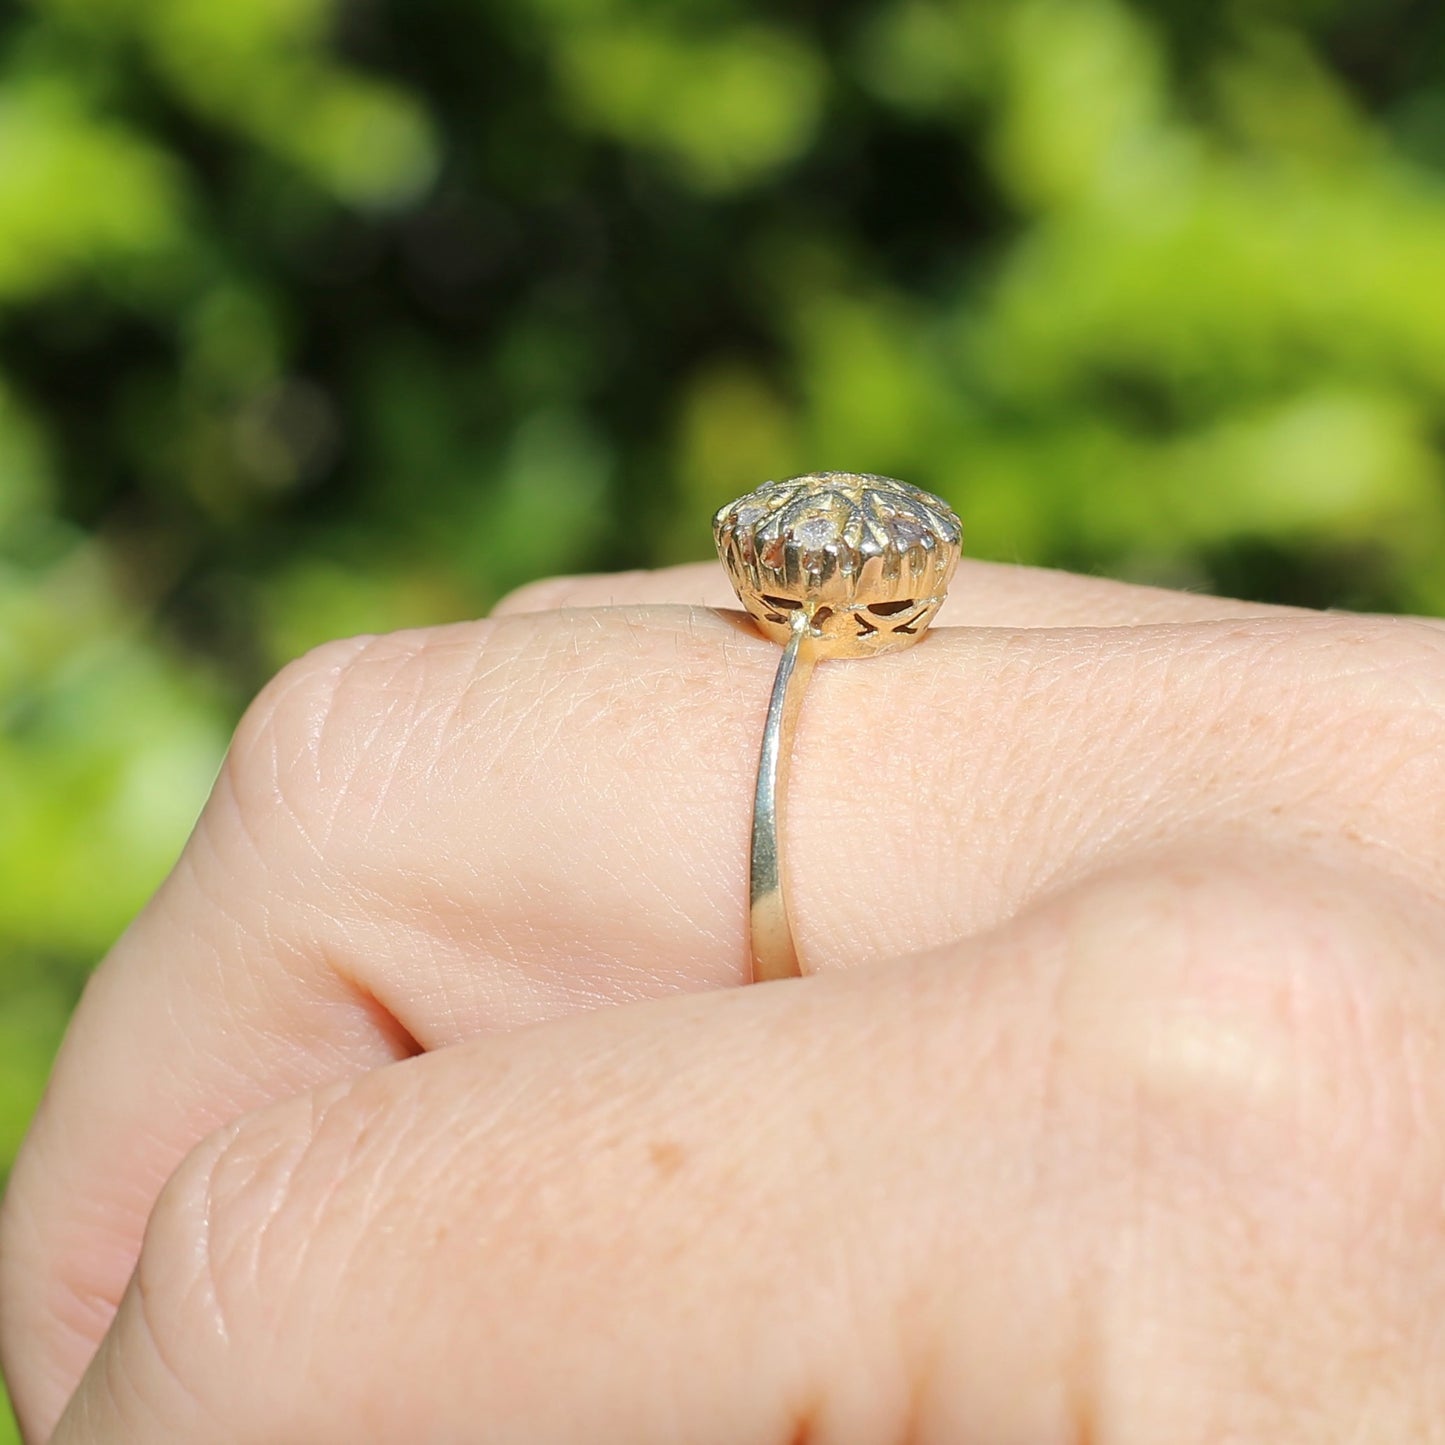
[{"x": 833, "y": 564}]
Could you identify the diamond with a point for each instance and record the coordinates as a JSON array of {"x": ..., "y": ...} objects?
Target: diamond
[
  {"x": 905, "y": 532},
  {"x": 816, "y": 532}
]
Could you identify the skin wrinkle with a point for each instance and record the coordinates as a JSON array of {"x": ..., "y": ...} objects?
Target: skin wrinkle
[
  {"x": 156, "y": 1338},
  {"x": 208, "y": 1280},
  {"x": 279, "y": 1254},
  {"x": 583, "y": 713},
  {"x": 447, "y": 714},
  {"x": 383, "y": 782},
  {"x": 325, "y": 1177},
  {"x": 479, "y": 667},
  {"x": 239, "y": 1170},
  {"x": 1291, "y": 728},
  {"x": 494, "y": 731},
  {"x": 1131, "y": 728},
  {"x": 241, "y": 992},
  {"x": 317, "y": 978},
  {"x": 78, "y": 1317},
  {"x": 315, "y": 676},
  {"x": 477, "y": 711},
  {"x": 401, "y": 688}
]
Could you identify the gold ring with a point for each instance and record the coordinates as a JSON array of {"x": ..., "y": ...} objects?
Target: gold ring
[{"x": 833, "y": 564}]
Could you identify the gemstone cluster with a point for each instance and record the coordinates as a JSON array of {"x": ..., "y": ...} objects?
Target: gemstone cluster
[{"x": 866, "y": 559}]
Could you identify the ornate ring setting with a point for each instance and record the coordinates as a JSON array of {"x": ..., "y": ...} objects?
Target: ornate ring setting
[{"x": 830, "y": 565}]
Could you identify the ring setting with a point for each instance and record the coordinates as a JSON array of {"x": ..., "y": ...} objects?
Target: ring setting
[{"x": 829, "y": 565}]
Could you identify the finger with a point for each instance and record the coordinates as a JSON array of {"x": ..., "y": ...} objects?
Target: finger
[
  {"x": 1156, "y": 1161},
  {"x": 983, "y": 594},
  {"x": 433, "y": 836}
]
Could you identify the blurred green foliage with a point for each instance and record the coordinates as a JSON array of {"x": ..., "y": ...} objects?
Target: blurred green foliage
[{"x": 313, "y": 313}]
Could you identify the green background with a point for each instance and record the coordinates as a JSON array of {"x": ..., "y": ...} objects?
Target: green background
[{"x": 318, "y": 318}]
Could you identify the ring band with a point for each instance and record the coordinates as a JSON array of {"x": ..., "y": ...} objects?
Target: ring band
[
  {"x": 774, "y": 953},
  {"x": 829, "y": 565}
]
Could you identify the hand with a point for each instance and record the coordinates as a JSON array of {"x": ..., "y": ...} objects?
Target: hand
[{"x": 1114, "y": 1110}]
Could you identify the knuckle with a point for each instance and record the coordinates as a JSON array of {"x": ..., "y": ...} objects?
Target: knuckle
[
  {"x": 172, "y": 1333},
  {"x": 1257, "y": 1035},
  {"x": 196, "y": 1277},
  {"x": 277, "y": 758},
  {"x": 186, "y": 1334},
  {"x": 328, "y": 738},
  {"x": 1275, "y": 1017},
  {"x": 245, "y": 1227}
]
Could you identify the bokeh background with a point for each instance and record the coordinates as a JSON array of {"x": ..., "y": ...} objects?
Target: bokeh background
[{"x": 323, "y": 316}]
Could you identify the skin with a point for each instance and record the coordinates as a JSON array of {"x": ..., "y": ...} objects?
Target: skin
[{"x": 420, "y": 1104}]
